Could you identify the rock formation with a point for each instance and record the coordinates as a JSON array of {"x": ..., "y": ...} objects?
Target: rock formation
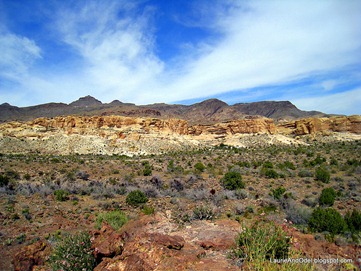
[
  {"x": 128, "y": 135},
  {"x": 351, "y": 124}
]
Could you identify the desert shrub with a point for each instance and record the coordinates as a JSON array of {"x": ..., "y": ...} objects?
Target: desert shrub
[
  {"x": 299, "y": 215},
  {"x": 305, "y": 173},
  {"x": 4, "y": 180},
  {"x": 82, "y": 175},
  {"x": 327, "y": 220},
  {"x": 232, "y": 181},
  {"x": 148, "y": 210},
  {"x": 322, "y": 175},
  {"x": 309, "y": 201},
  {"x": 73, "y": 253},
  {"x": 203, "y": 213},
  {"x": 317, "y": 161},
  {"x": 267, "y": 164},
  {"x": 262, "y": 241},
  {"x": 170, "y": 166},
  {"x": 271, "y": 174},
  {"x": 197, "y": 194},
  {"x": 147, "y": 171},
  {"x": 13, "y": 175},
  {"x": 151, "y": 192},
  {"x": 353, "y": 220},
  {"x": 289, "y": 165},
  {"x": 27, "y": 176},
  {"x": 177, "y": 185},
  {"x": 200, "y": 167},
  {"x": 333, "y": 162},
  {"x": 157, "y": 182},
  {"x": 278, "y": 192},
  {"x": 240, "y": 194},
  {"x": 116, "y": 219},
  {"x": 327, "y": 197},
  {"x": 136, "y": 198},
  {"x": 61, "y": 195}
]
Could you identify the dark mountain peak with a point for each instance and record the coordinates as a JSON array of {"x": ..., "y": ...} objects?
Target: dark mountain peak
[
  {"x": 116, "y": 102},
  {"x": 7, "y": 105},
  {"x": 86, "y": 101},
  {"x": 272, "y": 109},
  {"x": 210, "y": 103}
]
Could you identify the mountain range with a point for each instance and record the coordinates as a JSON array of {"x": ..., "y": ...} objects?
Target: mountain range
[{"x": 205, "y": 112}]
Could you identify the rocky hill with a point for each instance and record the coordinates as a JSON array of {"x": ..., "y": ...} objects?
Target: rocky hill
[{"x": 206, "y": 112}]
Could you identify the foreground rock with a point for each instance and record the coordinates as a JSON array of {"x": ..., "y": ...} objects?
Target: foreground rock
[
  {"x": 156, "y": 243},
  {"x": 106, "y": 243},
  {"x": 30, "y": 256}
]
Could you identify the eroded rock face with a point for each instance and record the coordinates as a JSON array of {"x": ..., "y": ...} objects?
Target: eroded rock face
[
  {"x": 351, "y": 124},
  {"x": 133, "y": 136},
  {"x": 30, "y": 256}
]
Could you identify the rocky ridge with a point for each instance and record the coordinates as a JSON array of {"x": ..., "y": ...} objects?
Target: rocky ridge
[
  {"x": 206, "y": 112},
  {"x": 134, "y": 135}
]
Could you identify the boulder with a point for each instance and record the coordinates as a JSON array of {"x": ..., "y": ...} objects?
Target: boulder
[
  {"x": 30, "y": 256},
  {"x": 106, "y": 242}
]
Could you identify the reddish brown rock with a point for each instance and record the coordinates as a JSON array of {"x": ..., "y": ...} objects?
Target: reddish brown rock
[
  {"x": 147, "y": 247},
  {"x": 171, "y": 242},
  {"x": 106, "y": 242},
  {"x": 30, "y": 256}
]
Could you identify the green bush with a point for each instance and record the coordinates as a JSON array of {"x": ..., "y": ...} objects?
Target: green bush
[
  {"x": 271, "y": 174},
  {"x": 327, "y": 197},
  {"x": 353, "y": 220},
  {"x": 261, "y": 242},
  {"x": 322, "y": 175},
  {"x": 73, "y": 253},
  {"x": 61, "y": 195},
  {"x": 278, "y": 192},
  {"x": 232, "y": 181},
  {"x": 116, "y": 219},
  {"x": 327, "y": 220},
  {"x": 267, "y": 164},
  {"x": 136, "y": 198},
  {"x": 148, "y": 210},
  {"x": 199, "y": 167},
  {"x": 147, "y": 171},
  {"x": 317, "y": 161},
  {"x": 289, "y": 165}
]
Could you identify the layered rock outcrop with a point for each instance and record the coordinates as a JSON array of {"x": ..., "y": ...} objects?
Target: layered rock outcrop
[
  {"x": 107, "y": 125},
  {"x": 351, "y": 124},
  {"x": 129, "y": 136}
]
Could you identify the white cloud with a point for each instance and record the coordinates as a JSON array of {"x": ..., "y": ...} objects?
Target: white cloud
[
  {"x": 117, "y": 52},
  {"x": 17, "y": 55},
  {"x": 273, "y": 42}
]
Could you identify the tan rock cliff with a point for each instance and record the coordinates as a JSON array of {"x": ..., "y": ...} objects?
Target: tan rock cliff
[{"x": 127, "y": 135}]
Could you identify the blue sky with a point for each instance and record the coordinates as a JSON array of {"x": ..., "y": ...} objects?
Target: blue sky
[{"x": 308, "y": 52}]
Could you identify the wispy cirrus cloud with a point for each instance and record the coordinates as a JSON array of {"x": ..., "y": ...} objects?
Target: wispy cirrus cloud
[
  {"x": 273, "y": 42},
  {"x": 17, "y": 55}
]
